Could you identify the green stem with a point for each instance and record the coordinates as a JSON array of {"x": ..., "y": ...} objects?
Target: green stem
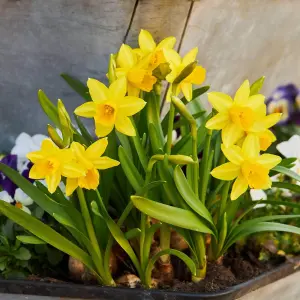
[
  {"x": 98, "y": 259},
  {"x": 199, "y": 240},
  {"x": 195, "y": 157},
  {"x": 204, "y": 166},
  {"x": 139, "y": 147},
  {"x": 224, "y": 197},
  {"x": 170, "y": 128},
  {"x": 165, "y": 240}
]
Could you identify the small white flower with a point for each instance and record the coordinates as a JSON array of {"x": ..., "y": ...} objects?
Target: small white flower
[
  {"x": 22, "y": 200},
  {"x": 25, "y": 144},
  {"x": 257, "y": 195},
  {"x": 4, "y": 196}
]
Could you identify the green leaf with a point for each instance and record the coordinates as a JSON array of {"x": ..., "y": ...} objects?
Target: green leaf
[
  {"x": 22, "y": 254},
  {"x": 130, "y": 170},
  {"x": 85, "y": 133},
  {"x": 189, "y": 196},
  {"x": 123, "y": 242},
  {"x": 222, "y": 234},
  {"x": 197, "y": 93},
  {"x": 247, "y": 225},
  {"x": 125, "y": 143},
  {"x": 132, "y": 233},
  {"x": 77, "y": 86},
  {"x": 49, "y": 108},
  {"x": 285, "y": 203},
  {"x": 29, "y": 239},
  {"x": 188, "y": 261},
  {"x": 150, "y": 186},
  {"x": 285, "y": 185},
  {"x": 43, "y": 200},
  {"x": 45, "y": 233},
  {"x": 256, "y": 86},
  {"x": 260, "y": 227},
  {"x": 170, "y": 215},
  {"x": 287, "y": 172}
]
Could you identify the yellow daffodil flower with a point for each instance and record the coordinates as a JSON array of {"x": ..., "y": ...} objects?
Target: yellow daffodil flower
[
  {"x": 197, "y": 76},
  {"x": 244, "y": 114},
  {"x": 246, "y": 166},
  {"x": 110, "y": 107},
  {"x": 51, "y": 163},
  {"x": 137, "y": 74},
  {"x": 92, "y": 161},
  {"x": 148, "y": 46}
]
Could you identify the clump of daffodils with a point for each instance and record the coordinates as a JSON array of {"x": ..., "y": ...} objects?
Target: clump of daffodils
[{"x": 162, "y": 178}]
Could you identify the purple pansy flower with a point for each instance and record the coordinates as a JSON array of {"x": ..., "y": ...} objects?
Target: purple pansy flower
[
  {"x": 283, "y": 100},
  {"x": 7, "y": 185}
]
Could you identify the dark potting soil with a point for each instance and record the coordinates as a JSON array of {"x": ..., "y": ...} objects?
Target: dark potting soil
[{"x": 236, "y": 267}]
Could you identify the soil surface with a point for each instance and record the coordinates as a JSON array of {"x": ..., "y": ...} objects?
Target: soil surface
[{"x": 237, "y": 266}]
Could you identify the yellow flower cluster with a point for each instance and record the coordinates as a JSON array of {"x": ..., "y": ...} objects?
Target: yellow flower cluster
[
  {"x": 111, "y": 107},
  {"x": 79, "y": 165},
  {"x": 245, "y": 131}
]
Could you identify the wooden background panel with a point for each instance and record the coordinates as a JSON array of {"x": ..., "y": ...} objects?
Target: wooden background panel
[
  {"x": 161, "y": 17},
  {"x": 41, "y": 39},
  {"x": 246, "y": 39}
]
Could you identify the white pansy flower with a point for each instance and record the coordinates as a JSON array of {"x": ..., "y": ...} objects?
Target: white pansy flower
[
  {"x": 22, "y": 200},
  {"x": 289, "y": 149},
  {"x": 4, "y": 196},
  {"x": 25, "y": 144}
]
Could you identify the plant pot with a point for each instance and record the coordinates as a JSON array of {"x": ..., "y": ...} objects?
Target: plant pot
[{"x": 96, "y": 292}]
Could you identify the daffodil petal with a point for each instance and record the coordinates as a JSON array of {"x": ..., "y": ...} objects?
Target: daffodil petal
[
  {"x": 118, "y": 89},
  {"x": 266, "y": 138},
  {"x": 172, "y": 56},
  {"x": 98, "y": 91},
  {"x": 86, "y": 110},
  {"x": 242, "y": 94},
  {"x": 190, "y": 56},
  {"x": 96, "y": 149},
  {"x": 53, "y": 181},
  {"x": 35, "y": 173},
  {"x": 71, "y": 186},
  {"x": 102, "y": 131},
  {"x": 124, "y": 125},
  {"x": 271, "y": 120},
  {"x": 131, "y": 105},
  {"x": 227, "y": 171},
  {"x": 167, "y": 43},
  {"x": 133, "y": 91},
  {"x": 231, "y": 133},
  {"x": 73, "y": 170},
  {"x": 48, "y": 146},
  {"x": 220, "y": 101},
  {"x": 239, "y": 187},
  {"x": 105, "y": 162},
  {"x": 187, "y": 90},
  {"x": 251, "y": 146},
  {"x": 126, "y": 57},
  {"x": 233, "y": 154},
  {"x": 255, "y": 101},
  {"x": 146, "y": 41},
  {"x": 197, "y": 76},
  {"x": 34, "y": 156},
  {"x": 217, "y": 122},
  {"x": 268, "y": 161}
]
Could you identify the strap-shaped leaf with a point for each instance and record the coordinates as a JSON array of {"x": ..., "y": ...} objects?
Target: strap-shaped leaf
[
  {"x": 289, "y": 186},
  {"x": 45, "y": 233},
  {"x": 170, "y": 215},
  {"x": 189, "y": 196},
  {"x": 45, "y": 202},
  {"x": 260, "y": 227},
  {"x": 188, "y": 261},
  {"x": 77, "y": 86},
  {"x": 287, "y": 172}
]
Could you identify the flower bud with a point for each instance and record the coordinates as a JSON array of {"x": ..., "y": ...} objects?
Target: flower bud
[
  {"x": 54, "y": 136},
  {"x": 185, "y": 72},
  {"x": 65, "y": 123}
]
